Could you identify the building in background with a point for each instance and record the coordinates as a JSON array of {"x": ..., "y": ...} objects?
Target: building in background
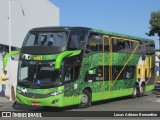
[
  {"x": 17, "y": 17},
  {"x": 157, "y": 60}
]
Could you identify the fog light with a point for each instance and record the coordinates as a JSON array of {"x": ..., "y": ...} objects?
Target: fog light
[{"x": 55, "y": 101}]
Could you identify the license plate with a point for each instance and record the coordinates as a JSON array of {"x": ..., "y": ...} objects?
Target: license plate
[{"x": 35, "y": 104}]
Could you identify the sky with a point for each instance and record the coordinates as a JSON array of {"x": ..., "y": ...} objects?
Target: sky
[{"x": 130, "y": 17}]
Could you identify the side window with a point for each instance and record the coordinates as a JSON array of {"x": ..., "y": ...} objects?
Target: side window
[
  {"x": 31, "y": 40},
  {"x": 141, "y": 47},
  {"x": 120, "y": 45},
  {"x": 133, "y": 46},
  {"x": 150, "y": 48},
  {"x": 94, "y": 42},
  {"x": 77, "y": 40},
  {"x": 129, "y": 72},
  {"x": 115, "y": 72},
  {"x": 127, "y": 46},
  {"x": 99, "y": 73},
  {"x": 114, "y": 45},
  {"x": 68, "y": 75},
  {"x": 90, "y": 75},
  {"x": 123, "y": 45},
  {"x": 71, "y": 73},
  {"x": 106, "y": 73},
  {"x": 96, "y": 74},
  {"x": 106, "y": 44}
]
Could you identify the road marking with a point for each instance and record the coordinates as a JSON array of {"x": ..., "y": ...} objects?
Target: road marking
[{"x": 157, "y": 100}]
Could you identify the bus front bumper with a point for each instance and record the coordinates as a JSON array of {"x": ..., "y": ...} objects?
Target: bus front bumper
[{"x": 54, "y": 101}]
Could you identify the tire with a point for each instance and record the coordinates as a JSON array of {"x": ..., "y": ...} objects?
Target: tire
[
  {"x": 136, "y": 92},
  {"x": 142, "y": 90},
  {"x": 85, "y": 99}
]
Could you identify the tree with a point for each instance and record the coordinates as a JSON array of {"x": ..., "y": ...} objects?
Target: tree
[{"x": 155, "y": 24}]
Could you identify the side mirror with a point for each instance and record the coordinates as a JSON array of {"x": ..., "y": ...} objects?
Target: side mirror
[
  {"x": 5, "y": 59},
  {"x": 15, "y": 57}
]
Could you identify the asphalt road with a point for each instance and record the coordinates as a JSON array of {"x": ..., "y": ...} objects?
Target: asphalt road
[{"x": 150, "y": 102}]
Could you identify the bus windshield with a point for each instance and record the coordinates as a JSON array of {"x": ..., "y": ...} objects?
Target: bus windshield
[
  {"x": 53, "y": 38},
  {"x": 38, "y": 74}
]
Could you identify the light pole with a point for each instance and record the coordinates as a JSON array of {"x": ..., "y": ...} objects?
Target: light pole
[{"x": 9, "y": 23}]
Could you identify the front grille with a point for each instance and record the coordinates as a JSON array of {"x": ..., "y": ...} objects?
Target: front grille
[{"x": 35, "y": 96}]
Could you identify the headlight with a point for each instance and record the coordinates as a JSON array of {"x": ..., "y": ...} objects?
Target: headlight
[
  {"x": 19, "y": 91},
  {"x": 58, "y": 92}
]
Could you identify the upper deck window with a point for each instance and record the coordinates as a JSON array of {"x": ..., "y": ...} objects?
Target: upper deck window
[
  {"x": 54, "y": 38},
  {"x": 77, "y": 40}
]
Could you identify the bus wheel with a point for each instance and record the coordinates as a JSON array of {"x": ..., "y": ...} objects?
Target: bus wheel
[
  {"x": 142, "y": 90},
  {"x": 135, "y": 92},
  {"x": 85, "y": 99}
]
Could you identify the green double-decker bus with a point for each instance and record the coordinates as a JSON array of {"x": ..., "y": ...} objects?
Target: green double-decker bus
[{"x": 63, "y": 66}]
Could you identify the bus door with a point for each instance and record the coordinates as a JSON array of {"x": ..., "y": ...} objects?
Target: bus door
[
  {"x": 70, "y": 74},
  {"x": 106, "y": 64}
]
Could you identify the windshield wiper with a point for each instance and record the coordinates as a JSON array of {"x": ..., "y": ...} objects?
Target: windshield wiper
[
  {"x": 47, "y": 84},
  {"x": 32, "y": 84}
]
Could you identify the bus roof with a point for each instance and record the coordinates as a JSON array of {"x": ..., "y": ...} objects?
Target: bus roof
[
  {"x": 121, "y": 35},
  {"x": 92, "y": 29},
  {"x": 57, "y": 28}
]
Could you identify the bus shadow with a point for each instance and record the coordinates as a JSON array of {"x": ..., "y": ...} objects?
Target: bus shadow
[
  {"x": 156, "y": 90},
  {"x": 111, "y": 100},
  {"x": 157, "y": 93},
  {"x": 22, "y": 107},
  {"x": 56, "y": 109},
  {"x": 114, "y": 100}
]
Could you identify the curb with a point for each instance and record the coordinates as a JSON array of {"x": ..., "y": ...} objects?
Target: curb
[{"x": 4, "y": 99}]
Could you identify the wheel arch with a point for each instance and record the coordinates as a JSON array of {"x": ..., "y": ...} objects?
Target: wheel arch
[
  {"x": 136, "y": 84},
  {"x": 88, "y": 89},
  {"x": 143, "y": 83}
]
